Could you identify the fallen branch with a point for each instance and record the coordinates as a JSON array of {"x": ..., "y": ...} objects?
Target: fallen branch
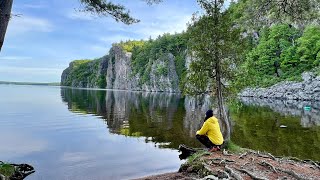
[{"x": 233, "y": 173}]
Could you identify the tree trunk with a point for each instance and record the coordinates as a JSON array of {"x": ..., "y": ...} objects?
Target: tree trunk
[
  {"x": 5, "y": 12},
  {"x": 221, "y": 110}
]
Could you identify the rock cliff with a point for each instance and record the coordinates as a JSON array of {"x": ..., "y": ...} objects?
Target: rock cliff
[
  {"x": 85, "y": 73},
  {"x": 114, "y": 71},
  {"x": 309, "y": 89}
]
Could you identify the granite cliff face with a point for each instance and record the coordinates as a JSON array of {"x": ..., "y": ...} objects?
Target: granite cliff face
[
  {"x": 85, "y": 73},
  {"x": 309, "y": 89},
  {"x": 114, "y": 71}
]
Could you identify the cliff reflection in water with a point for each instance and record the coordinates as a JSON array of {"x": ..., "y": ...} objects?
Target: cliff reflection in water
[
  {"x": 160, "y": 117},
  {"x": 169, "y": 120}
]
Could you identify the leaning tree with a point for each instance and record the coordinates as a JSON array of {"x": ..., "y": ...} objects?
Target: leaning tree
[{"x": 213, "y": 43}]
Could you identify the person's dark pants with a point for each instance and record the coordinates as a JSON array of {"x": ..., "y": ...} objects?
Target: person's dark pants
[{"x": 205, "y": 141}]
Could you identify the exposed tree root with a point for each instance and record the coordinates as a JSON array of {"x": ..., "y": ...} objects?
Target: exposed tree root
[
  {"x": 292, "y": 173},
  {"x": 233, "y": 173},
  {"x": 255, "y": 165},
  {"x": 251, "y": 174},
  {"x": 272, "y": 157},
  {"x": 226, "y": 153},
  {"x": 243, "y": 155},
  {"x": 263, "y": 163}
]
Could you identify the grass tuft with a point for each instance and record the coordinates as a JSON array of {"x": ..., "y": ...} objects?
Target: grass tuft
[
  {"x": 194, "y": 157},
  {"x": 6, "y": 169},
  {"x": 232, "y": 147}
]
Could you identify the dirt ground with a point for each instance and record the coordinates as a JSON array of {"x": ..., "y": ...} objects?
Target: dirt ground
[
  {"x": 167, "y": 176},
  {"x": 248, "y": 165}
]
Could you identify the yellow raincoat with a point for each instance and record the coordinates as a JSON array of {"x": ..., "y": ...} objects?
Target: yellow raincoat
[{"x": 211, "y": 128}]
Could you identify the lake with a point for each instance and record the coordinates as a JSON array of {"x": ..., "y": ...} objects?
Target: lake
[{"x": 68, "y": 133}]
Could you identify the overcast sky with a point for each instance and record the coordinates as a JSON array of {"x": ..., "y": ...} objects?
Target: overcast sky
[{"x": 50, "y": 33}]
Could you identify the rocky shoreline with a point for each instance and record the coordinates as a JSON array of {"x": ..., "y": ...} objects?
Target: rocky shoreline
[
  {"x": 248, "y": 164},
  {"x": 307, "y": 90}
]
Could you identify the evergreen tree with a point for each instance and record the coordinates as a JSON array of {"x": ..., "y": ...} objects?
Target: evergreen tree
[{"x": 213, "y": 41}]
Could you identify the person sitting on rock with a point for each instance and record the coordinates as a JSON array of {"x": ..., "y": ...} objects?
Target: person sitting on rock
[{"x": 210, "y": 134}]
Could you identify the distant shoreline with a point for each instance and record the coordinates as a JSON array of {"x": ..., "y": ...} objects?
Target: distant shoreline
[{"x": 30, "y": 83}]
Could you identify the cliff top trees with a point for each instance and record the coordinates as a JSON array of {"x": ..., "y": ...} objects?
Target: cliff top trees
[{"x": 261, "y": 13}]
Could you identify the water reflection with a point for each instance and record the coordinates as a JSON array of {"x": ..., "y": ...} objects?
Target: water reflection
[
  {"x": 257, "y": 125},
  {"x": 159, "y": 117},
  {"x": 307, "y": 110},
  {"x": 169, "y": 120}
]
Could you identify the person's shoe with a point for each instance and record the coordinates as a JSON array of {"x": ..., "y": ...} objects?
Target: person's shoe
[{"x": 214, "y": 149}]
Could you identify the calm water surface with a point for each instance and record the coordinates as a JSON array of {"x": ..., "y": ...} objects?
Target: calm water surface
[{"x": 96, "y": 134}]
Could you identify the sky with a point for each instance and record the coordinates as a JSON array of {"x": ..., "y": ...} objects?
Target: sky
[{"x": 48, "y": 34}]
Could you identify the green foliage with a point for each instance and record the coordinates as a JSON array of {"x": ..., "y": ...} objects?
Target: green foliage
[
  {"x": 82, "y": 73},
  {"x": 102, "y": 83},
  {"x": 255, "y": 14},
  {"x": 162, "y": 70},
  {"x": 6, "y": 169},
  {"x": 286, "y": 46},
  {"x": 116, "y": 11},
  {"x": 129, "y": 45},
  {"x": 144, "y": 54},
  {"x": 232, "y": 147},
  {"x": 309, "y": 47},
  {"x": 196, "y": 156},
  {"x": 217, "y": 47}
]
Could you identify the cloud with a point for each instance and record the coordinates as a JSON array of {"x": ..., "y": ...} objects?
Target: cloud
[
  {"x": 35, "y": 6},
  {"x": 15, "y": 58},
  {"x": 25, "y": 24}
]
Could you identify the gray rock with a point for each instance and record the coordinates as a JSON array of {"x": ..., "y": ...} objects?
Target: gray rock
[
  {"x": 309, "y": 89},
  {"x": 117, "y": 69},
  {"x": 308, "y": 76}
]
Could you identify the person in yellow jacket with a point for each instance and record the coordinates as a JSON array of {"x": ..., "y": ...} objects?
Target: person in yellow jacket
[{"x": 210, "y": 134}]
